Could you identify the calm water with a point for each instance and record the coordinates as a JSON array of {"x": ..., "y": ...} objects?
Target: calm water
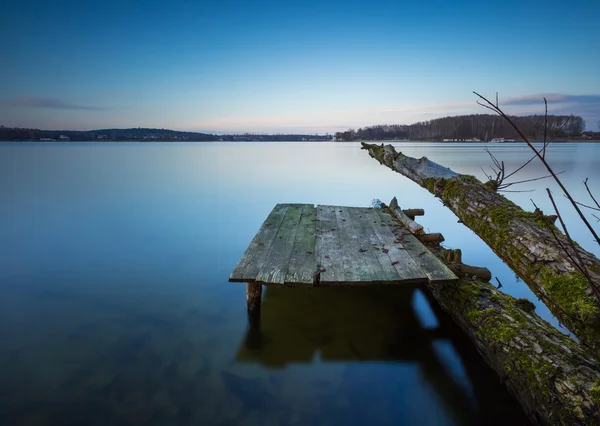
[{"x": 115, "y": 307}]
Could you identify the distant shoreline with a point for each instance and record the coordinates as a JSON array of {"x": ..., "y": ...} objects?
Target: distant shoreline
[{"x": 295, "y": 141}]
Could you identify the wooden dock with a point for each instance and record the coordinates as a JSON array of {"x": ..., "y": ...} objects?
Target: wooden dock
[{"x": 304, "y": 245}]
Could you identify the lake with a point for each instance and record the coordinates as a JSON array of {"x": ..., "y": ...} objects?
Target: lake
[{"x": 115, "y": 307}]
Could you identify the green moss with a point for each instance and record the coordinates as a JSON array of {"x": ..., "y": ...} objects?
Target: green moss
[
  {"x": 469, "y": 179},
  {"x": 500, "y": 330},
  {"x": 453, "y": 188},
  {"x": 569, "y": 292},
  {"x": 474, "y": 316},
  {"x": 538, "y": 373},
  {"x": 429, "y": 184},
  {"x": 595, "y": 390}
]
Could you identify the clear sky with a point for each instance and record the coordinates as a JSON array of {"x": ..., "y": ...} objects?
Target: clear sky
[{"x": 291, "y": 66}]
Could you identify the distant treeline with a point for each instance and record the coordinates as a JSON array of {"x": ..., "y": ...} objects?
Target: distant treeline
[
  {"x": 141, "y": 134},
  {"x": 484, "y": 127}
]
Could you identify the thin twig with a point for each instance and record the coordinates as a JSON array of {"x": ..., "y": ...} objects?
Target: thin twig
[
  {"x": 488, "y": 107},
  {"x": 506, "y": 185},
  {"x": 488, "y": 176},
  {"x": 562, "y": 126},
  {"x": 588, "y": 207},
  {"x": 545, "y": 128},
  {"x": 585, "y": 182}
]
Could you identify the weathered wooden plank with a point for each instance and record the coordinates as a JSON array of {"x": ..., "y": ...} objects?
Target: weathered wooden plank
[
  {"x": 433, "y": 267},
  {"x": 249, "y": 264},
  {"x": 356, "y": 268},
  {"x": 407, "y": 268},
  {"x": 302, "y": 264},
  {"x": 328, "y": 253},
  {"x": 378, "y": 260},
  {"x": 275, "y": 264}
]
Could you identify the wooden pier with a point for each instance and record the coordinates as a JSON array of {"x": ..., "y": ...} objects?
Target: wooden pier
[
  {"x": 555, "y": 379},
  {"x": 304, "y": 245}
]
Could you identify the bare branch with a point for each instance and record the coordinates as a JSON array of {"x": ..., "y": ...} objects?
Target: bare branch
[
  {"x": 506, "y": 185},
  {"x": 588, "y": 207},
  {"x": 493, "y": 109},
  {"x": 488, "y": 176},
  {"x": 561, "y": 127},
  {"x": 590, "y": 192},
  {"x": 545, "y": 127}
]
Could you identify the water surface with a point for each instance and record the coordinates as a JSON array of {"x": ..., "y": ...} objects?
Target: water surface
[{"x": 115, "y": 307}]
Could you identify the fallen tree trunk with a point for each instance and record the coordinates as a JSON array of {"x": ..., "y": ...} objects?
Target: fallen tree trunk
[
  {"x": 531, "y": 245},
  {"x": 556, "y": 380}
]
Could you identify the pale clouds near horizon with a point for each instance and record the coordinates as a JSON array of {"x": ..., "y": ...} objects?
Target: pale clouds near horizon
[{"x": 55, "y": 113}]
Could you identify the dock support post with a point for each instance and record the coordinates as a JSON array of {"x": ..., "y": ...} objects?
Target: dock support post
[{"x": 253, "y": 296}]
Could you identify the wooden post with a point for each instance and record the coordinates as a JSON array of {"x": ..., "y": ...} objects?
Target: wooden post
[
  {"x": 434, "y": 237},
  {"x": 411, "y": 213},
  {"x": 253, "y": 296}
]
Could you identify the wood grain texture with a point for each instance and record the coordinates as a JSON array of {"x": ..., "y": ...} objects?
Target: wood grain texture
[
  {"x": 432, "y": 267},
  {"x": 356, "y": 268},
  {"x": 302, "y": 263},
  {"x": 375, "y": 255},
  {"x": 407, "y": 268},
  {"x": 249, "y": 264},
  {"x": 327, "y": 247},
  {"x": 274, "y": 266}
]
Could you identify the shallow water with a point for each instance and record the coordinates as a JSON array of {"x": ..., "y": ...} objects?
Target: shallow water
[{"x": 115, "y": 306}]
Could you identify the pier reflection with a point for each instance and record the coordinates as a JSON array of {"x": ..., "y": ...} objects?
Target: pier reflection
[{"x": 379, "y": 324}]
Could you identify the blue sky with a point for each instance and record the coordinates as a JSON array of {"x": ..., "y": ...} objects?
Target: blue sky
[{"x": 291, "y": 66}]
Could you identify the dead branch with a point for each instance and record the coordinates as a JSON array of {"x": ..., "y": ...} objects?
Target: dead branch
[
  {"x": 585, "y": 182},
  {"x": 545, "y": 127},
  {"x": 506, "y": 185}
]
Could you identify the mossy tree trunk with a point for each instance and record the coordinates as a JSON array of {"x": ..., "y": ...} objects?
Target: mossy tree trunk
[
  {"x": 526, "y": 241},
  {"x": 556, "y": 380}
]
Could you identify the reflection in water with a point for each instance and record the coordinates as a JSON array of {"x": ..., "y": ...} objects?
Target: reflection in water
[{"x": 375, "y": 325}]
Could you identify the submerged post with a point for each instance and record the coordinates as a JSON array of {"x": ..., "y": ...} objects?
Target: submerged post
[{"x": 253, "y": 296}]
